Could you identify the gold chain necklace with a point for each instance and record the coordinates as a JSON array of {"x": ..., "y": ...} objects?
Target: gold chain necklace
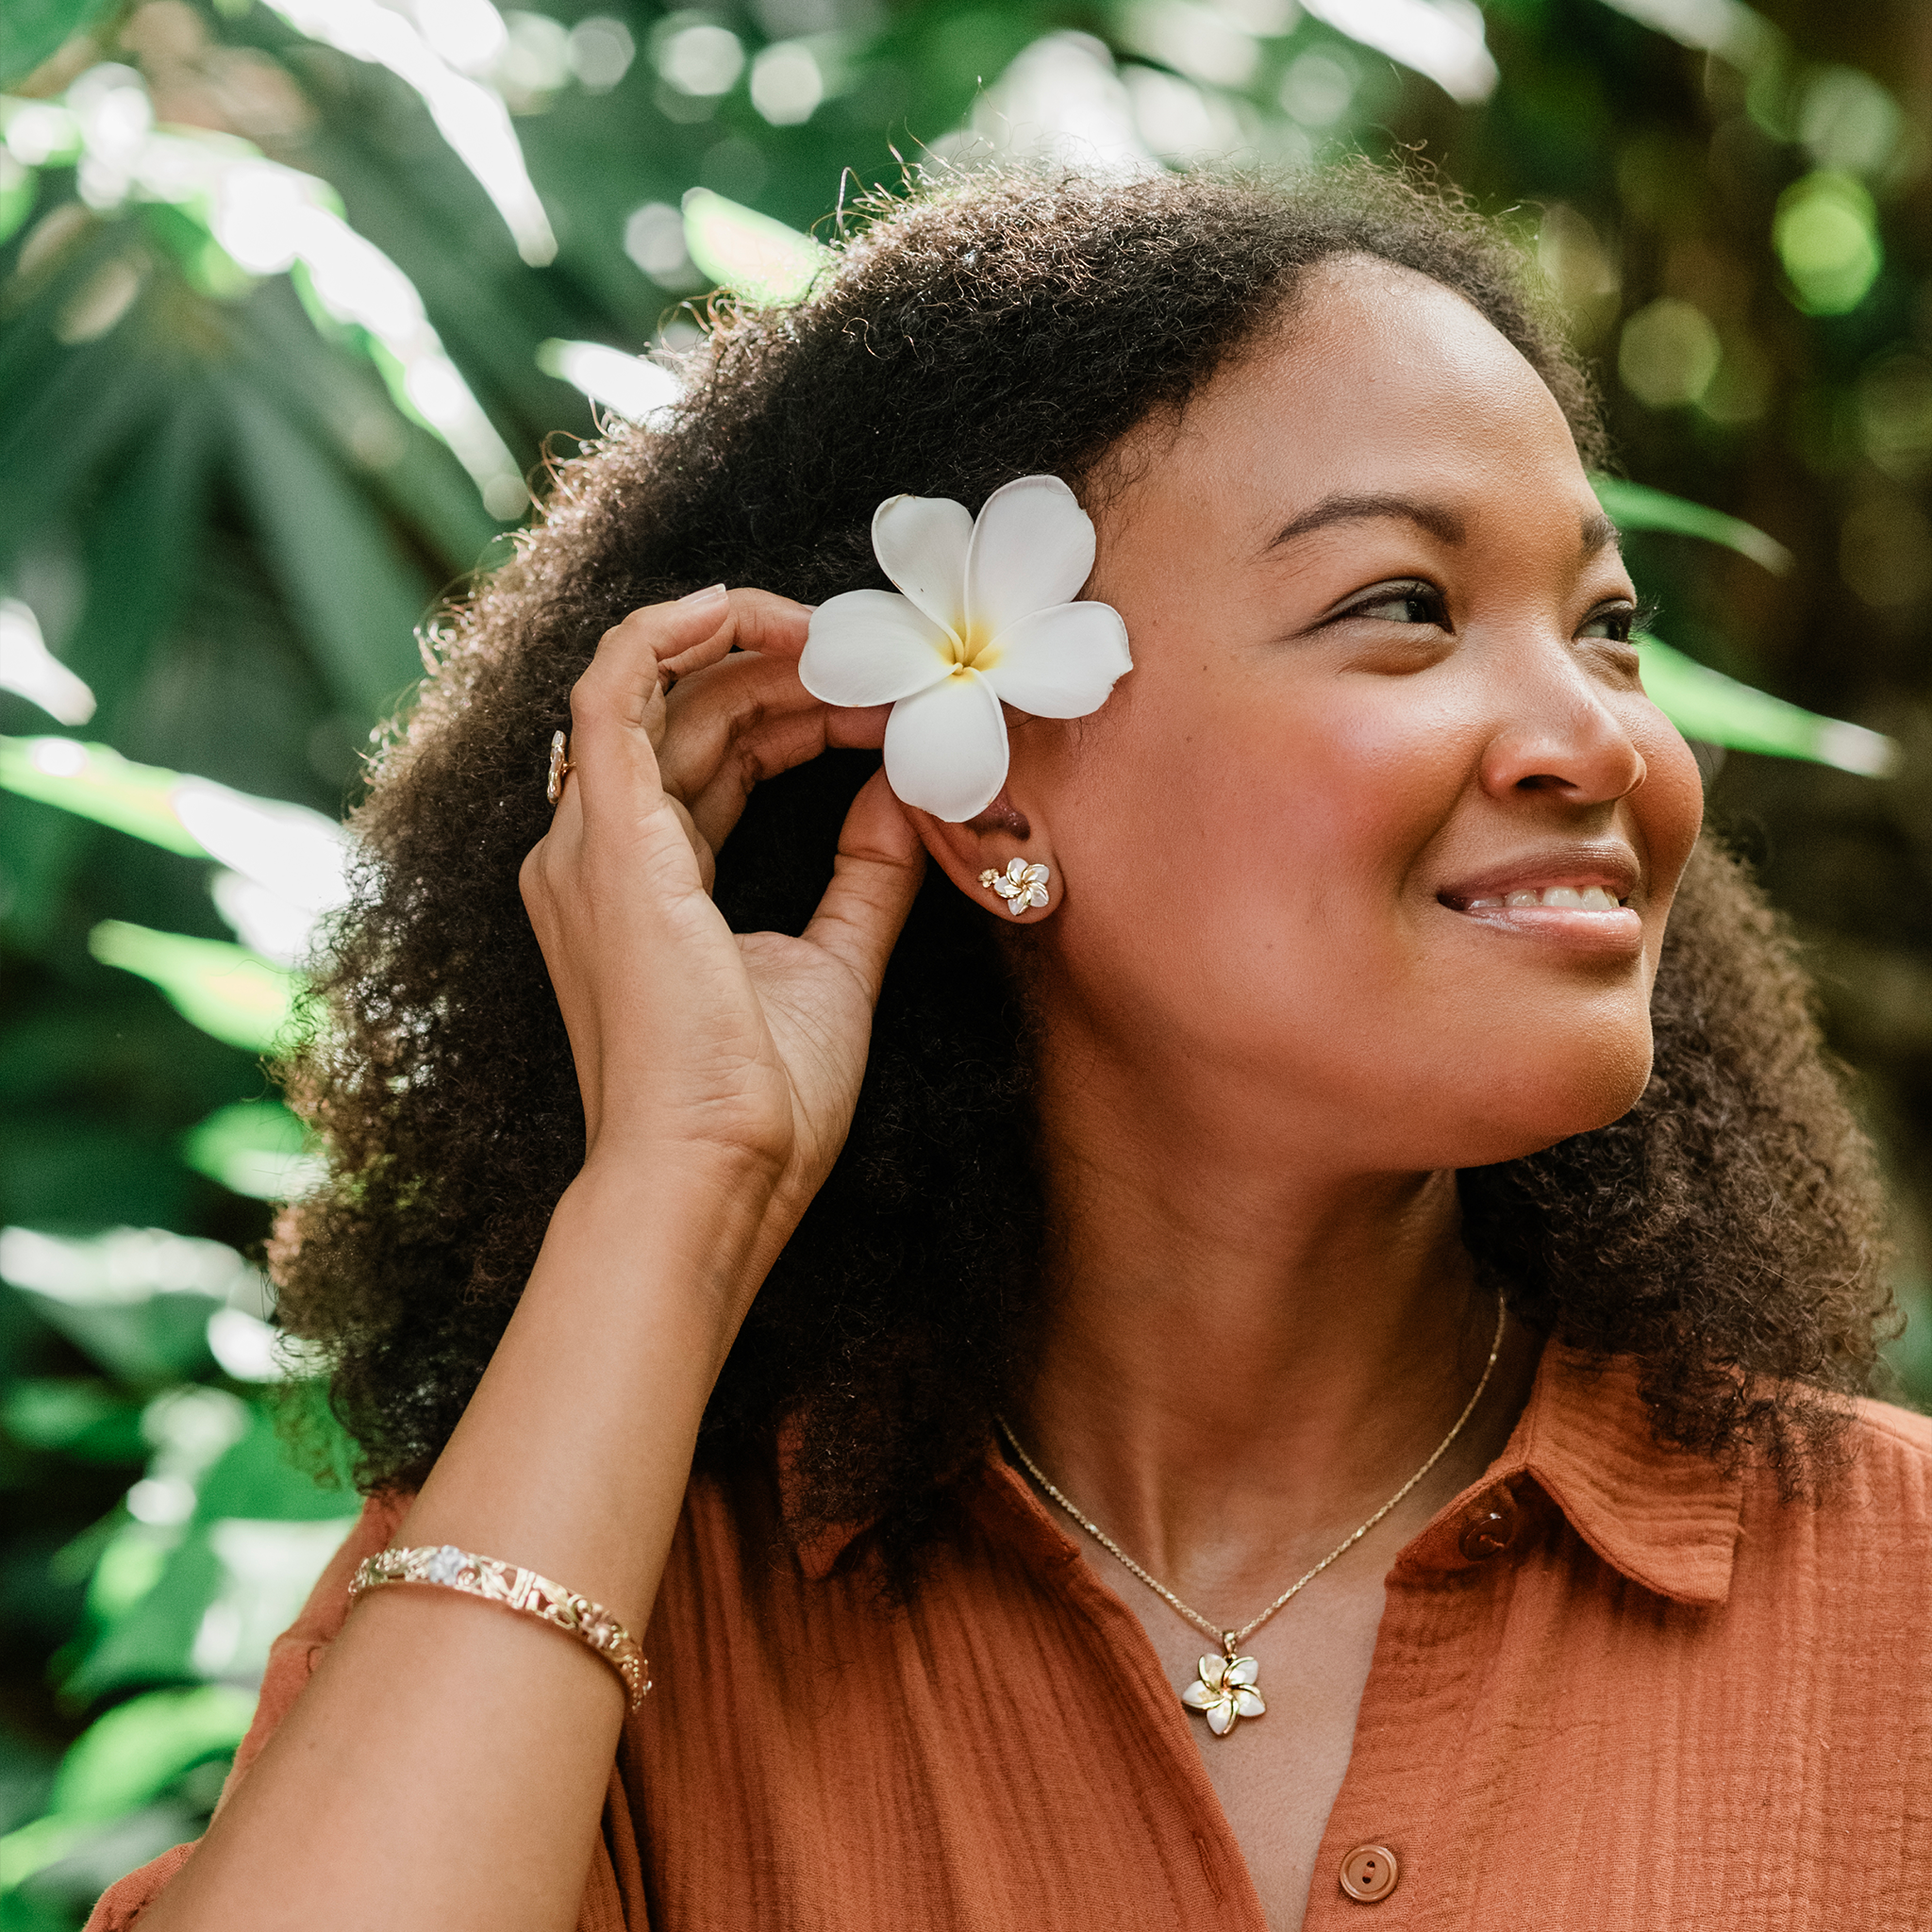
[{"x": 1227, "y": 1690}]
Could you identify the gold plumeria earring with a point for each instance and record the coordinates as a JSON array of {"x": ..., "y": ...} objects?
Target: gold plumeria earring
[{"x": 1020, "y": 885}]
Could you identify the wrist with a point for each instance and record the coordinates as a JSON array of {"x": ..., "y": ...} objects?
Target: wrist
[{"x": 704, "y": 1212}]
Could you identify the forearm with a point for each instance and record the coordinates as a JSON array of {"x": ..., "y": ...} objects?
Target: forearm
[
  {"x": 447, "y": 1762},
  {"x": 572, "y": 1454}
]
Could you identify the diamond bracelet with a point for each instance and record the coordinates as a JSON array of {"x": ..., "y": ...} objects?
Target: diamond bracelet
[{"x": 516, "y": 1590}]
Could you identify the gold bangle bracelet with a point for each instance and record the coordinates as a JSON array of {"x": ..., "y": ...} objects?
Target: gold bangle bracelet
[{"x": 450, "y": 1568}]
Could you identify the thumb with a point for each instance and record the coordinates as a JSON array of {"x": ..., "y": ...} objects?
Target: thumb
[{"x": 875, "y": 879}]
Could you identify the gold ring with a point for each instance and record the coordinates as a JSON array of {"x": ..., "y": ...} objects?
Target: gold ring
[{"x": 561, "y": 767}]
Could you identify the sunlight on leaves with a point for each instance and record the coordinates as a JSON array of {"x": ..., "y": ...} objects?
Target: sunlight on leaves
[
  {"x": 750, "y": 254},
  {"x": 1705, "y": 703},
  {"x": 1636, "y": 507},
  {"x": 226, "y": 989}
]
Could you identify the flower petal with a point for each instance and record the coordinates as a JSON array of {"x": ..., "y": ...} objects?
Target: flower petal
[
  {"x": 1249, "y": 1703},
  {"x": 946, "y": 747},
  {"x": 1032, "y": 546},
  {"x": 1214, "y": 1669},
  {"x": 1016, "y": 870},
  {"x": 1060, "y": 662},
  {"x": 1243, "y": 1670},
  {"x": 872, "y": 647},
  {"x": 1198, "y": 1696},
  {"x": 922, "y": 543},
  {"x": 1035, "y": 895},
  {"x": 1220, "y": 1719}
]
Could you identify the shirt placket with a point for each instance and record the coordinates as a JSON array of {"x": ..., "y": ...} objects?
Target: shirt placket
[
  {"x": 1226, "y": 1901},
  {"x": 1381, "y": 1865}
]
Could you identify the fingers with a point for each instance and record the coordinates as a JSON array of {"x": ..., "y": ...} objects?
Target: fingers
[
  {"x": 701, "y": 697},
  {"x": 618, "y": 706},
  {"x": 711, "y": 712},
  {"x": 737, "y": 724},
  {"x": 623, "y": 684},
  {"x": 874, "y": 880}
]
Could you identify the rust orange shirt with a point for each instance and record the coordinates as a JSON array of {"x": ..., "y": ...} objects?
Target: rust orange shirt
[{"x": 1614, "y": 1690}]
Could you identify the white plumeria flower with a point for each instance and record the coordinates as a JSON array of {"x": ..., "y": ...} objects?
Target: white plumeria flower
[{"x": 985, "y": 618}]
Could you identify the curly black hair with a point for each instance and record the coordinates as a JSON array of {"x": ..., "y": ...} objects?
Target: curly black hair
[{"x": 1726, "y": 1231}]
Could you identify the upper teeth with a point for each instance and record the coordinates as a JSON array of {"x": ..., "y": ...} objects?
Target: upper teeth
[{"x": 1576, "y": 898}]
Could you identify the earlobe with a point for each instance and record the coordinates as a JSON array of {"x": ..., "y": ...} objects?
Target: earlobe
[{"x": 996, "y": 860}]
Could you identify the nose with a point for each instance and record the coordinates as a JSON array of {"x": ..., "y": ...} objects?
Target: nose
[{"x": 1558, "y": 735}]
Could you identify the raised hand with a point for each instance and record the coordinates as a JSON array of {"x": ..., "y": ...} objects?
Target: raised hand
[{"x": 693, "y": 1043}]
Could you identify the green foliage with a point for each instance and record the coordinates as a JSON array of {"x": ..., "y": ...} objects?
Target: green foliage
[
  {"x": 99, "y": 784},
  {"x": 1636, "y": 507},
  {"x": 750, "y": 254},
  {"x": 252, "y": 1147},
  {"x": 1705, "y": 703},
  {"x": 190, "y": 1575},
  {"x": 1826, "y": 235},
  {"x": 273, "y": 362},
  {"x": 31, "y": 30},
  {"x": 222, "y": 988}
]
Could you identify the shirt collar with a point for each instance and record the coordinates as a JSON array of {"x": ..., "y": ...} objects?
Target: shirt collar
[{"x": 1664, "y": 1517}]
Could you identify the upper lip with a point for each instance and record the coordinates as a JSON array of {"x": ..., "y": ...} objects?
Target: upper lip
[{"x": 1605, "y": 862}]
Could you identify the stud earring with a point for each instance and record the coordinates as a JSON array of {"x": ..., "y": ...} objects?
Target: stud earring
[{"x": 1020, "y": 885}]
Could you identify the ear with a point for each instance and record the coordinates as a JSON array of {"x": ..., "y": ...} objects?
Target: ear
[{"x": 982, "y": 850}]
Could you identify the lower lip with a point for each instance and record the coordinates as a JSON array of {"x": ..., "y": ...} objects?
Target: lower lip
[{"x": 1618, "y": 933}]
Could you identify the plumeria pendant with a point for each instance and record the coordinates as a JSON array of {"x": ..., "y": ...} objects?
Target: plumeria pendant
[
  {"x": 1226, "y": 1691},
  {"x": 1020, "y": 885}
]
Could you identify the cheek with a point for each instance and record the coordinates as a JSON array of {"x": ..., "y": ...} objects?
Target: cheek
[
  {"x": 1290, "y": 798},
  {"x": 1243, "y": 889},
  {"x": 1250, "y": 853},
  {"x": 1669, "y": 811}
]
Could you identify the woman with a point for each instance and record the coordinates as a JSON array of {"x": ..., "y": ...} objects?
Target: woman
[{"x": 1340, "y": 1259}]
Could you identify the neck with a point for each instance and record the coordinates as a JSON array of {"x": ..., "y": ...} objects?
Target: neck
[{"x": 1245, "y": 1353}]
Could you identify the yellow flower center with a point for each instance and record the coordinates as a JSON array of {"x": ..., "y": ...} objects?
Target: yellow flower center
[{"x": 973, "y": 649}]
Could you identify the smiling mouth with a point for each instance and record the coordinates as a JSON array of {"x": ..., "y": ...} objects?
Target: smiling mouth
[
  {"x": 1557, "y": 898},
  {"x": 1583, "y": 917}
]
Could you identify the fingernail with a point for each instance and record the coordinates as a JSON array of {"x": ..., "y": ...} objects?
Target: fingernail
[{"x": 712, "y": 593}]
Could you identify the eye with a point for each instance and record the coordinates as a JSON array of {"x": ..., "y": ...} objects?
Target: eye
[
  {"x": 1409, "y": 602},
  {"x": 1615, "y": 621}
]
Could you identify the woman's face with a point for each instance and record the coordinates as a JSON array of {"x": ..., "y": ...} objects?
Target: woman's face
[{"x": 1381, "y": 829}]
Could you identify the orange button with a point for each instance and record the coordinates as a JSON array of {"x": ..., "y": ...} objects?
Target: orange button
[
  {"x": 1490, "y": 1528},
  {"x": 1368, "y": 1874}
]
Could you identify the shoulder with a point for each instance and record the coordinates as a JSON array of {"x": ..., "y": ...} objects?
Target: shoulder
[
  {"x": 1870, "y": 1526},
  {"x": 1890, "y": 1465},
  {"x": 1894, "y": 1430}
]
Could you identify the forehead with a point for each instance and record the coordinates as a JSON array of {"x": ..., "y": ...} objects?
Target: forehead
[{"x": 1376, "y": 379}]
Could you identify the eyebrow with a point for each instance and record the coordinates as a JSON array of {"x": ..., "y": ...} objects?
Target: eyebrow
[
  {"x": 1598, "y": 532},
  {"x": 1435, "y": 518}
]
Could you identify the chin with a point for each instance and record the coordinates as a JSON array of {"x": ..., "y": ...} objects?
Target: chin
[{"x": 1545, "y": 1105}]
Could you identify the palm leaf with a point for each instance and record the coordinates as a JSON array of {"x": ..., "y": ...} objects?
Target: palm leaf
[
  {"x": 1705, "y": 703},
  {"x": 750, "y": 254},
  {"x": 141, "y": 538},
  {"x": 125, "y": 1760},
  {"x": 224, "y": 988},
  {"x": 340, "y": 569},
  {"x": 1638, "y": 507},
  {"x": 97, "y": 783}
]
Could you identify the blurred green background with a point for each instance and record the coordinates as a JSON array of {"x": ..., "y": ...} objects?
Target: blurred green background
[{"x": 295, "y": 296}]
